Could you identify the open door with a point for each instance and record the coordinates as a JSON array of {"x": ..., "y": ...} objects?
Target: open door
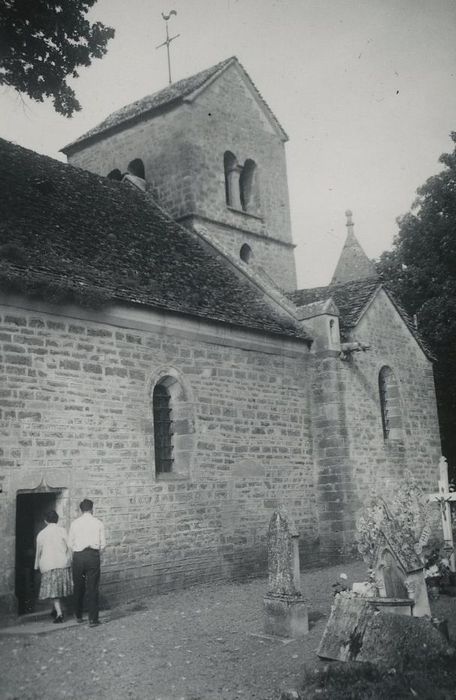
[{"x": 31, "y": 508}]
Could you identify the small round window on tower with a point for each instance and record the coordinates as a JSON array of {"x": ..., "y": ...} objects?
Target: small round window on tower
[{"x": 246, "y": 253}]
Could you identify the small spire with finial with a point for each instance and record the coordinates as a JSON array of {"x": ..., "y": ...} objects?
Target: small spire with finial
[
  {"x": 353, "y": 262},
  {"x": 350, "y": 225}
]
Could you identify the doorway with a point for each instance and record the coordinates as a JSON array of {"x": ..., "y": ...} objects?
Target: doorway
[{"x": 31, "y": 508}]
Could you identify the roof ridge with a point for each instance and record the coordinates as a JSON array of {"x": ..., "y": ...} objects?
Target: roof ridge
[
  {"x": 171, "y": 93},
  {"x": 165, "y": 98}
]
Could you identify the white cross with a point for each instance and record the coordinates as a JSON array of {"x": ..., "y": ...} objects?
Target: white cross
[{"x": 444, "y": 497}]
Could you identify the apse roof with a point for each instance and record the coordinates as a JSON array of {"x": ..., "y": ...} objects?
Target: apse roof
[{"x": 352, "y": 299}]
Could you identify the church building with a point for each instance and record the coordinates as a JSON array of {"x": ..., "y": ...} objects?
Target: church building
[{"x": 158, "y": 358}]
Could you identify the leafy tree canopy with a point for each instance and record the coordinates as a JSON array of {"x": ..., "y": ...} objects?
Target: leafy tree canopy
[
  {"x": 44, "y": 42},
  {"x": 421, "y": 271}
]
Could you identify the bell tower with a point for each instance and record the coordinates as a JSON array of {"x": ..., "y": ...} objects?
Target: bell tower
[{"x": 214, "y": 158}]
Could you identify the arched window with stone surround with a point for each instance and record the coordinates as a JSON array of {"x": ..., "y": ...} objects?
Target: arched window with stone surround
[
  {"x": 163, "y": 429},
  {"x": 173, "y": 425},
  {"x": 390, "y": 404},
  {"x": 247, "y": 187},
  {"x": 230, "y": 166}
]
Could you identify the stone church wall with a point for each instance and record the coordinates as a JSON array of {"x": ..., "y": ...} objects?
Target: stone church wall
[
  {"x": 378, "y": 462},
  {"x": 75, "y": 415},
  {"x": 262, "y": 252}
]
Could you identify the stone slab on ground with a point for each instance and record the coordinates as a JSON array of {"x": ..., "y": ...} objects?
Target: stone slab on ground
[
  {"x": 345, "y": 628},
  {"x": 356, "y": 631}
]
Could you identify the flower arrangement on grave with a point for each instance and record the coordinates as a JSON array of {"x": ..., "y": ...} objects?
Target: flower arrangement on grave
[
  {"x": 436, "y": 564},
  {"x": 363, "y": 589},
  {"x": 412, "y": 510},
  {"x": 341, "y": 585}
]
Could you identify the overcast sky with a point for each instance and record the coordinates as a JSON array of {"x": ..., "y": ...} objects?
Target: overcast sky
[{"x": 366, "y": 91}]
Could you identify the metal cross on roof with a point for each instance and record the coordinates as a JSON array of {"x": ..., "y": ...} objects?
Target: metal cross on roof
[{"x": 168, "y": 40}]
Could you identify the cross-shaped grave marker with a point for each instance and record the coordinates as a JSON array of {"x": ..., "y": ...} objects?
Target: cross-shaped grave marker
[{"x": 444, "y": 498}]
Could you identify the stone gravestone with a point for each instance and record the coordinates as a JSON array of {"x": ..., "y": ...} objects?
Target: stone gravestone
[
  {"x": 390, "y": 538},
  {"x": 284, "y": 606},
  {"x": 391, "y": 548}
]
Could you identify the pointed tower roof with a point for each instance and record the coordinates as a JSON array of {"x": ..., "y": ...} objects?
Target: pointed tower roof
[{"x": 353, "y": 262}]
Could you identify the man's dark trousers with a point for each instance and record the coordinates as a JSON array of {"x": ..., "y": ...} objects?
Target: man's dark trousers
[{"x": 86, "y": 579}]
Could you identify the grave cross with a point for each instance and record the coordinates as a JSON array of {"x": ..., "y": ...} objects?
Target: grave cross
[{"x": 444, "y": 498}]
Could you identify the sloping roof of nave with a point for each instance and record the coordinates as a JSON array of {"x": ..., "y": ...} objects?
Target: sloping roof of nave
[{"x": 64, "y": 225}]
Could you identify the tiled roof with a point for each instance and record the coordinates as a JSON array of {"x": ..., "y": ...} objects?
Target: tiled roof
[
  {"x": 167, "y": 97},
  {"x": 351, "y": 299},
  {"x": 65, "y": 228}
]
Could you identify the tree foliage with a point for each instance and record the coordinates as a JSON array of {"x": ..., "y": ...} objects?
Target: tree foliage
[
  {"x": 421, "y": 271},
  {"x": 43, "y": 43}
]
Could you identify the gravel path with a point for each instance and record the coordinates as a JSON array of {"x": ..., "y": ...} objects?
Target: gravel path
[{"x": 194, "y": 644}]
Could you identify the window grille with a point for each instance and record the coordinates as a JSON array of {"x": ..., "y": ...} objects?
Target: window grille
[
  {"x": 390, "y": 405},
  {"x": 163, "y": 429},
  {"x": 383, "y": 388}
]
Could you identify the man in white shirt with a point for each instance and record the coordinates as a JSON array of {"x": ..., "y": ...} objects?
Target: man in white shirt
[{"x": 87, "y": 540}]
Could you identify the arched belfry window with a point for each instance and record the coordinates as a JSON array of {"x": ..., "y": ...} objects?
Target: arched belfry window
[
  {"x": 115, "y": 174},
  {"x": 136, "y": 177},
  {"x": 390, "y": 404},
  {"x": 163, "y": 429},
  {"x": 247, "y": 185},
  {"x": 231, "y": 179},
  {"x": 241, "y": 184},
  {"x": 136, "y": 167}
]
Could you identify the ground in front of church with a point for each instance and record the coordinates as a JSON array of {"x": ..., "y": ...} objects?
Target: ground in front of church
[{"x": 203, "y": 643}]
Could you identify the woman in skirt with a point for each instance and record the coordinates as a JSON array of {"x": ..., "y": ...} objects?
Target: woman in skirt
[{"x": 53, "y": 557}]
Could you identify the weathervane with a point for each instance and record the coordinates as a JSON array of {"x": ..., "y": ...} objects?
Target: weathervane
[{"x": 168, "y": 40}]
